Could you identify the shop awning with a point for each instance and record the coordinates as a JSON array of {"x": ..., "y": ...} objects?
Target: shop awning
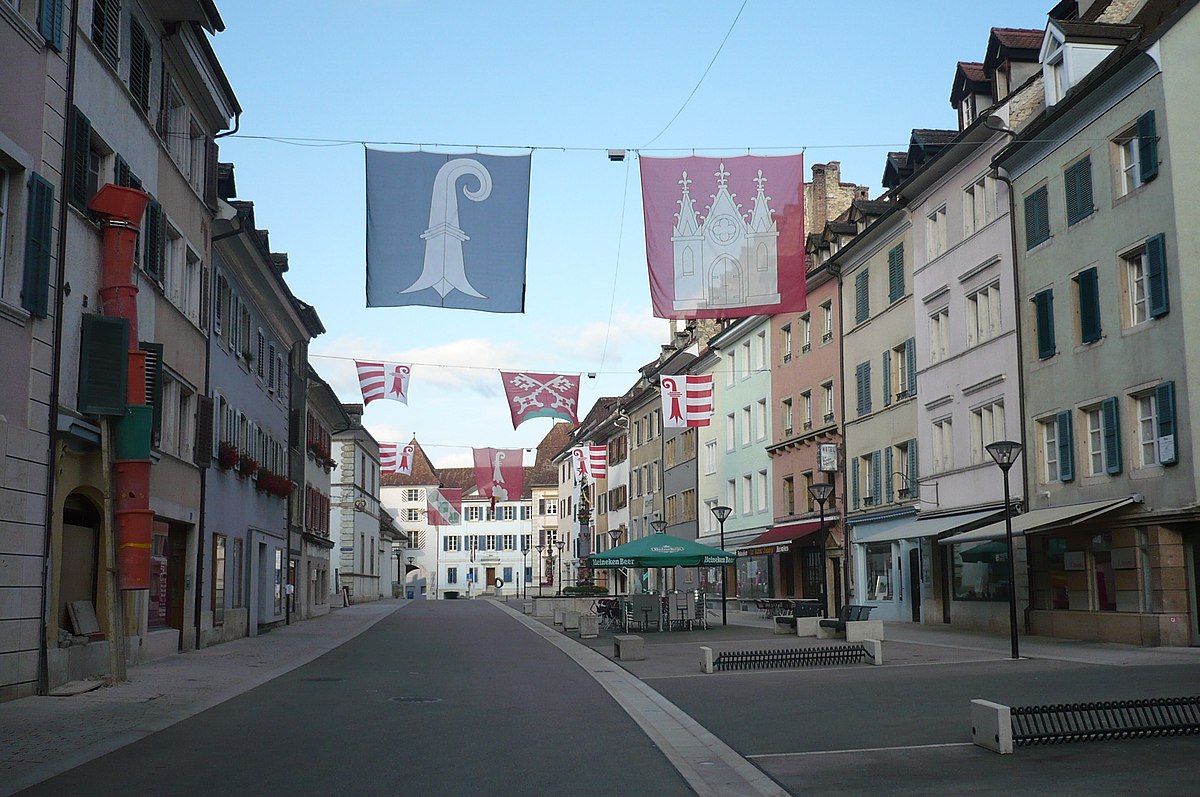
[
  {"x": 1043, "y": 520},
  {"x": 907, "y": 528},
  {"x": 786, "y": 532}
]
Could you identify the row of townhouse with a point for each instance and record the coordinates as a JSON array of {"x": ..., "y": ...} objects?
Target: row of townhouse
[
  {"x": 505, "y": 548},
  {"x": 167, "y": 461},
  {"x": 1024, "y": 278}
]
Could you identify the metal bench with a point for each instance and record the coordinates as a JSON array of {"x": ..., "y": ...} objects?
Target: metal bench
[{"x": 848, "y": 614}]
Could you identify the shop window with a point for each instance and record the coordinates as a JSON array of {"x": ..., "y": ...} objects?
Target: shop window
[
  {"x": 879, "y": 572},
  {"x": 981, "y": 571}
]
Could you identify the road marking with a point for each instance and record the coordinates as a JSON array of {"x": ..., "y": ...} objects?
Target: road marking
[{"x": 865, "y": 750}]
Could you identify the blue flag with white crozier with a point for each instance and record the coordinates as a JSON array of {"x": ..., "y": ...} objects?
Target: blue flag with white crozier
[{"x": 447, "y": 230}]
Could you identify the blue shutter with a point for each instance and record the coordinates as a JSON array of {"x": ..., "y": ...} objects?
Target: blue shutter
[
  {"x": 1164, "y": 400},
  {"x": 1066, "y": 448},
  {"x": 39, "y": 231},
  {"x": 910, "y": 358},
  {"x": 1111, "y": 417},
  {"x": 887, "y": 469},
  {"x": 887, "y": 378},
  {"x": 1078, "y": 179},
  {"x": 1157, "y": 295},
  {"x": 896, "y": 273},
  {"x": 862, "y": 299},
  {"x": 1044, "y": 312},
  {"x": 854, "y": 485},
  {"x": 446, "y": 543},
  {"x": 863, "y": 387},
  {"x": 1089, "y": 305},
  {"x": 50, "y": 23},
  {"x": 913, "y": 474},
  {"x": 1147, "y": 145},
  {"x": 867, "y": 386},
  {"x": 876, "y": 466}
]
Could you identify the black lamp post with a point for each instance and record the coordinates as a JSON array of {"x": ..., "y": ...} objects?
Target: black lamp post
[
  {"x": 1005, "y": 452},
  {"x": 659, "y": 526},
  {"x": 524, "y": 578},
  {"x": 399, "y": 570},
  {"x": 721, "y": 513},
  {"x": 559, "y": 545},
  {"x": 820, "y": 493},
  {"x": 615, "y": 536},
  {"x": 541, "y": 547}
]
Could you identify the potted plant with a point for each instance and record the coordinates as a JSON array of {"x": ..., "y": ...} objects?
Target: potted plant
[
  {"x": 247, "y": 465},
  {"x": 227, "y": 455},
  {"x": 282, "y": 486},
  {"x": 263, "y": 482}
]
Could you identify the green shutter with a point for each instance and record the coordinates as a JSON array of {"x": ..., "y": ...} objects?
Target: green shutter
[
  {"x": 887, "y": 378},
  {"x": 152, "y": 251},
  {"x": 1111, "y": 418},
  {"x": 887, "y": 469},
  {"x": 1164, "y": 400},
  {"x": 106, "y": 26},
  {"x": 896, "y": 273},
  {"x": 854, "y": 485},
  {"x": 103, "y": 365},
  {"x": 1088, "y": 282},
  {"x": 1066, "y": 447},
  {"x": 154, "y": 385},
  {"x": 203, "y": 452},
  {"x": 39, "y": 233},
  {"x": 876, "y": 467},
  {"x": 1147, "y": 147},
  {"x": 867, "y": 386},
  {"x": 1037, "y": 218},
  {"x": 1157, "y": 294},
  {"x": 862, "y": 298},
  {"x": 50, "y": 23},
  {"x": 912, "y": 468},
  {"x": 139, "y": 65},
  {"x": 1044, "y": 315},
  {"x": 80, "y": 136},
  {"x": 1078, "y": 179},
  {"x": 910, "y": 363}
]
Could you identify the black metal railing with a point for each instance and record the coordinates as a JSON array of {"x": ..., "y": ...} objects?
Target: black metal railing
[
  {"x": 1118, "y": 719},
  {"x": 793, "y": 657}
]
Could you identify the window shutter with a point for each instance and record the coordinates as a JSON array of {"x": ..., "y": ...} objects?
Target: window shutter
[
  {"x": 203, "y": 452},
  {"x": 1110, "y": 415},
  {"x": 80, "y": 137},
  {"x": 153, "y": 250},
  {"x": 39, "y": 231},
  {"x": 1078, "y": 180},
  {"x": 106, "y": 17},
  {"x": 867, "y": 386},
  {"x": 211, "y": 155},
  {"x": 1044, "y": 311},
  {"x": 861, "y": 388},
  {"x": 896, "y": 272},
  {"x": 205, "y": 296},
  {"x": 854, "y": 486},
  {"x": 912, "y": 467},
  {"x": 103, "y": 365},
  {"x": 1066, "y": 447},
  {"x": 139, "y": 65},
  {"x": 154, "y": 384},
  {"x": 910, "y": 356},
  {"x": 1147, "y": 147},
  {"x": 163, "y": 125},
  {"x": 862, "y": 300},
  {"x": 1037, "y": 218},
  {"x": 887, "y": 378},
  {"x": 1089, "y": 305},
  {"x": 876, "y": 467},
  {"x": 1158, "y": 299},
  {"x": 1164, "y": 399},
  {"x": 50, "y": 23},
  {"x": 887, "y": 469}
]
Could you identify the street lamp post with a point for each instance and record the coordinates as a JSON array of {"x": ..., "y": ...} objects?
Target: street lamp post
[
  {"x": 721, "y": 513},
  {"x": 559, "y": 545},
  {"x": 615, "y": 536},
  {"x": 399, "y": 570},
  {"x": 524, "y": 574},
  {"x": 820, "y": 493},
  {"x": 659, "y": 526},
  {"x": 1005, "y": 452},
  {"x": 541, "y": 548}
]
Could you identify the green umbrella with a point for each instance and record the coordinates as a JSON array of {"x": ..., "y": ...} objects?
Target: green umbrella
[{"x": 661, "y": 550}]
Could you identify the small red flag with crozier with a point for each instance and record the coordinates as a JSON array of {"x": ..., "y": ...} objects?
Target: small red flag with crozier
[
  {"x": 590, "y": 461},
  {"x": 687, "y": 400},
  {"x": 395, "y": 458},
  {"x": 383, "y": 381}
]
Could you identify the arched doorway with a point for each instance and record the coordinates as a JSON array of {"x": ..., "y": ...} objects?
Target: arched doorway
[{"x": 78, "y": 570}]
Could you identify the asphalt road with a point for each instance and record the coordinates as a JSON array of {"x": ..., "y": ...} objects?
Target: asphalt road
[{"x": 439, "y": 698}]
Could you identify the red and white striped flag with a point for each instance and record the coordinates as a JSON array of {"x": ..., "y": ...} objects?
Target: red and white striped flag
[
  {"x": 395, "y": 458},
  {"x": 383, "y": 381},
  {"x": 590, "y": 461},
  {"x": 687, "y": 400}
]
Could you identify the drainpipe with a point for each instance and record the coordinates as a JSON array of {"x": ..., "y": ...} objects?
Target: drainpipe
[{"x": 120, "y": 210}]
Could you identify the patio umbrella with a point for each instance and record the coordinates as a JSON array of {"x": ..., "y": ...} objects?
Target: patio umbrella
[{"x": 661, "y": 550}]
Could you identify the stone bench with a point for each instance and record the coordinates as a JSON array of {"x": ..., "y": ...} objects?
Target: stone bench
[
  {"x": 629, "y": 647},
  {"x": 855, "y": 631}
]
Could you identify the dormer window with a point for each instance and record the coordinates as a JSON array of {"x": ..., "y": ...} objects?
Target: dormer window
[
  {"x": 1072, "y": 49},
  {"x": 1054, "y": 71}
]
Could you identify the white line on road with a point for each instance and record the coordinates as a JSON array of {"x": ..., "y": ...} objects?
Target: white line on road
[{"x": 864, "y": 750}]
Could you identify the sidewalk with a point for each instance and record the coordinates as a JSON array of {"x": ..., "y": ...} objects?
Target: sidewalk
[{"x": 43, "y": 736}]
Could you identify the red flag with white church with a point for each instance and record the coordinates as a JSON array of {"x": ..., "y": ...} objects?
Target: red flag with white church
[
  {"x": 687, "y": 400},
  {"x": 383, "y": 381},
  {"x": 541, "y": 396},
  {"x": 444, "y": 505},
  {"x": 724, "y": 236},
  {"x": 499, "y": 472},
  {"x": 590, "y": 461},
  {"x": 396, "y": 458}
]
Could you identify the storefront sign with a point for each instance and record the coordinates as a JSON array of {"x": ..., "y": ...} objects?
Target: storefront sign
[
  {"x": 827, "y": 457},
  {"x": 1074, "y": 560},
  {"x": 1124, "y": 558}
]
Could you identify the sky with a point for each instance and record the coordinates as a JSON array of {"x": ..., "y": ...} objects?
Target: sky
[{"x": 570, "y": 80}]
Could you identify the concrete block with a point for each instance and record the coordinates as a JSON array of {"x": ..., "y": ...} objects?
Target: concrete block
[
  {"x": 589, "y": 626},
  {"x": 527, "y": 607},
  {"x": 783, "y": 627},
  {"x": 807, "y": 626},
  {"x": 571, "y": 620},
  {"x": 629, "y": 647},
  {"x": 991, "y": 726},
  {"x": 874, "y": 649},
  {"x": 706, "y": 659},
  {"x": 558, "y": 615},
  {"x": 859, "y": 630},
  {"x": 827, "y": 633}
]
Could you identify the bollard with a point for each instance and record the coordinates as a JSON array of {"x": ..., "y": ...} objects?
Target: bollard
[
  {"x": 991, "y": 726},
  {"x": 706, "y": 659}
]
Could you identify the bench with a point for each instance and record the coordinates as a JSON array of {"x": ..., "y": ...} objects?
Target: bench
[
  {"x": 854, "y": 623},
  {"x": 786, "y": 623},
  {"x": 629, "y": 647}
]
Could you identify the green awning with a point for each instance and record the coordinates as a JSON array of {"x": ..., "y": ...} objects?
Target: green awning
[{"x": 661, "y": 550}]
